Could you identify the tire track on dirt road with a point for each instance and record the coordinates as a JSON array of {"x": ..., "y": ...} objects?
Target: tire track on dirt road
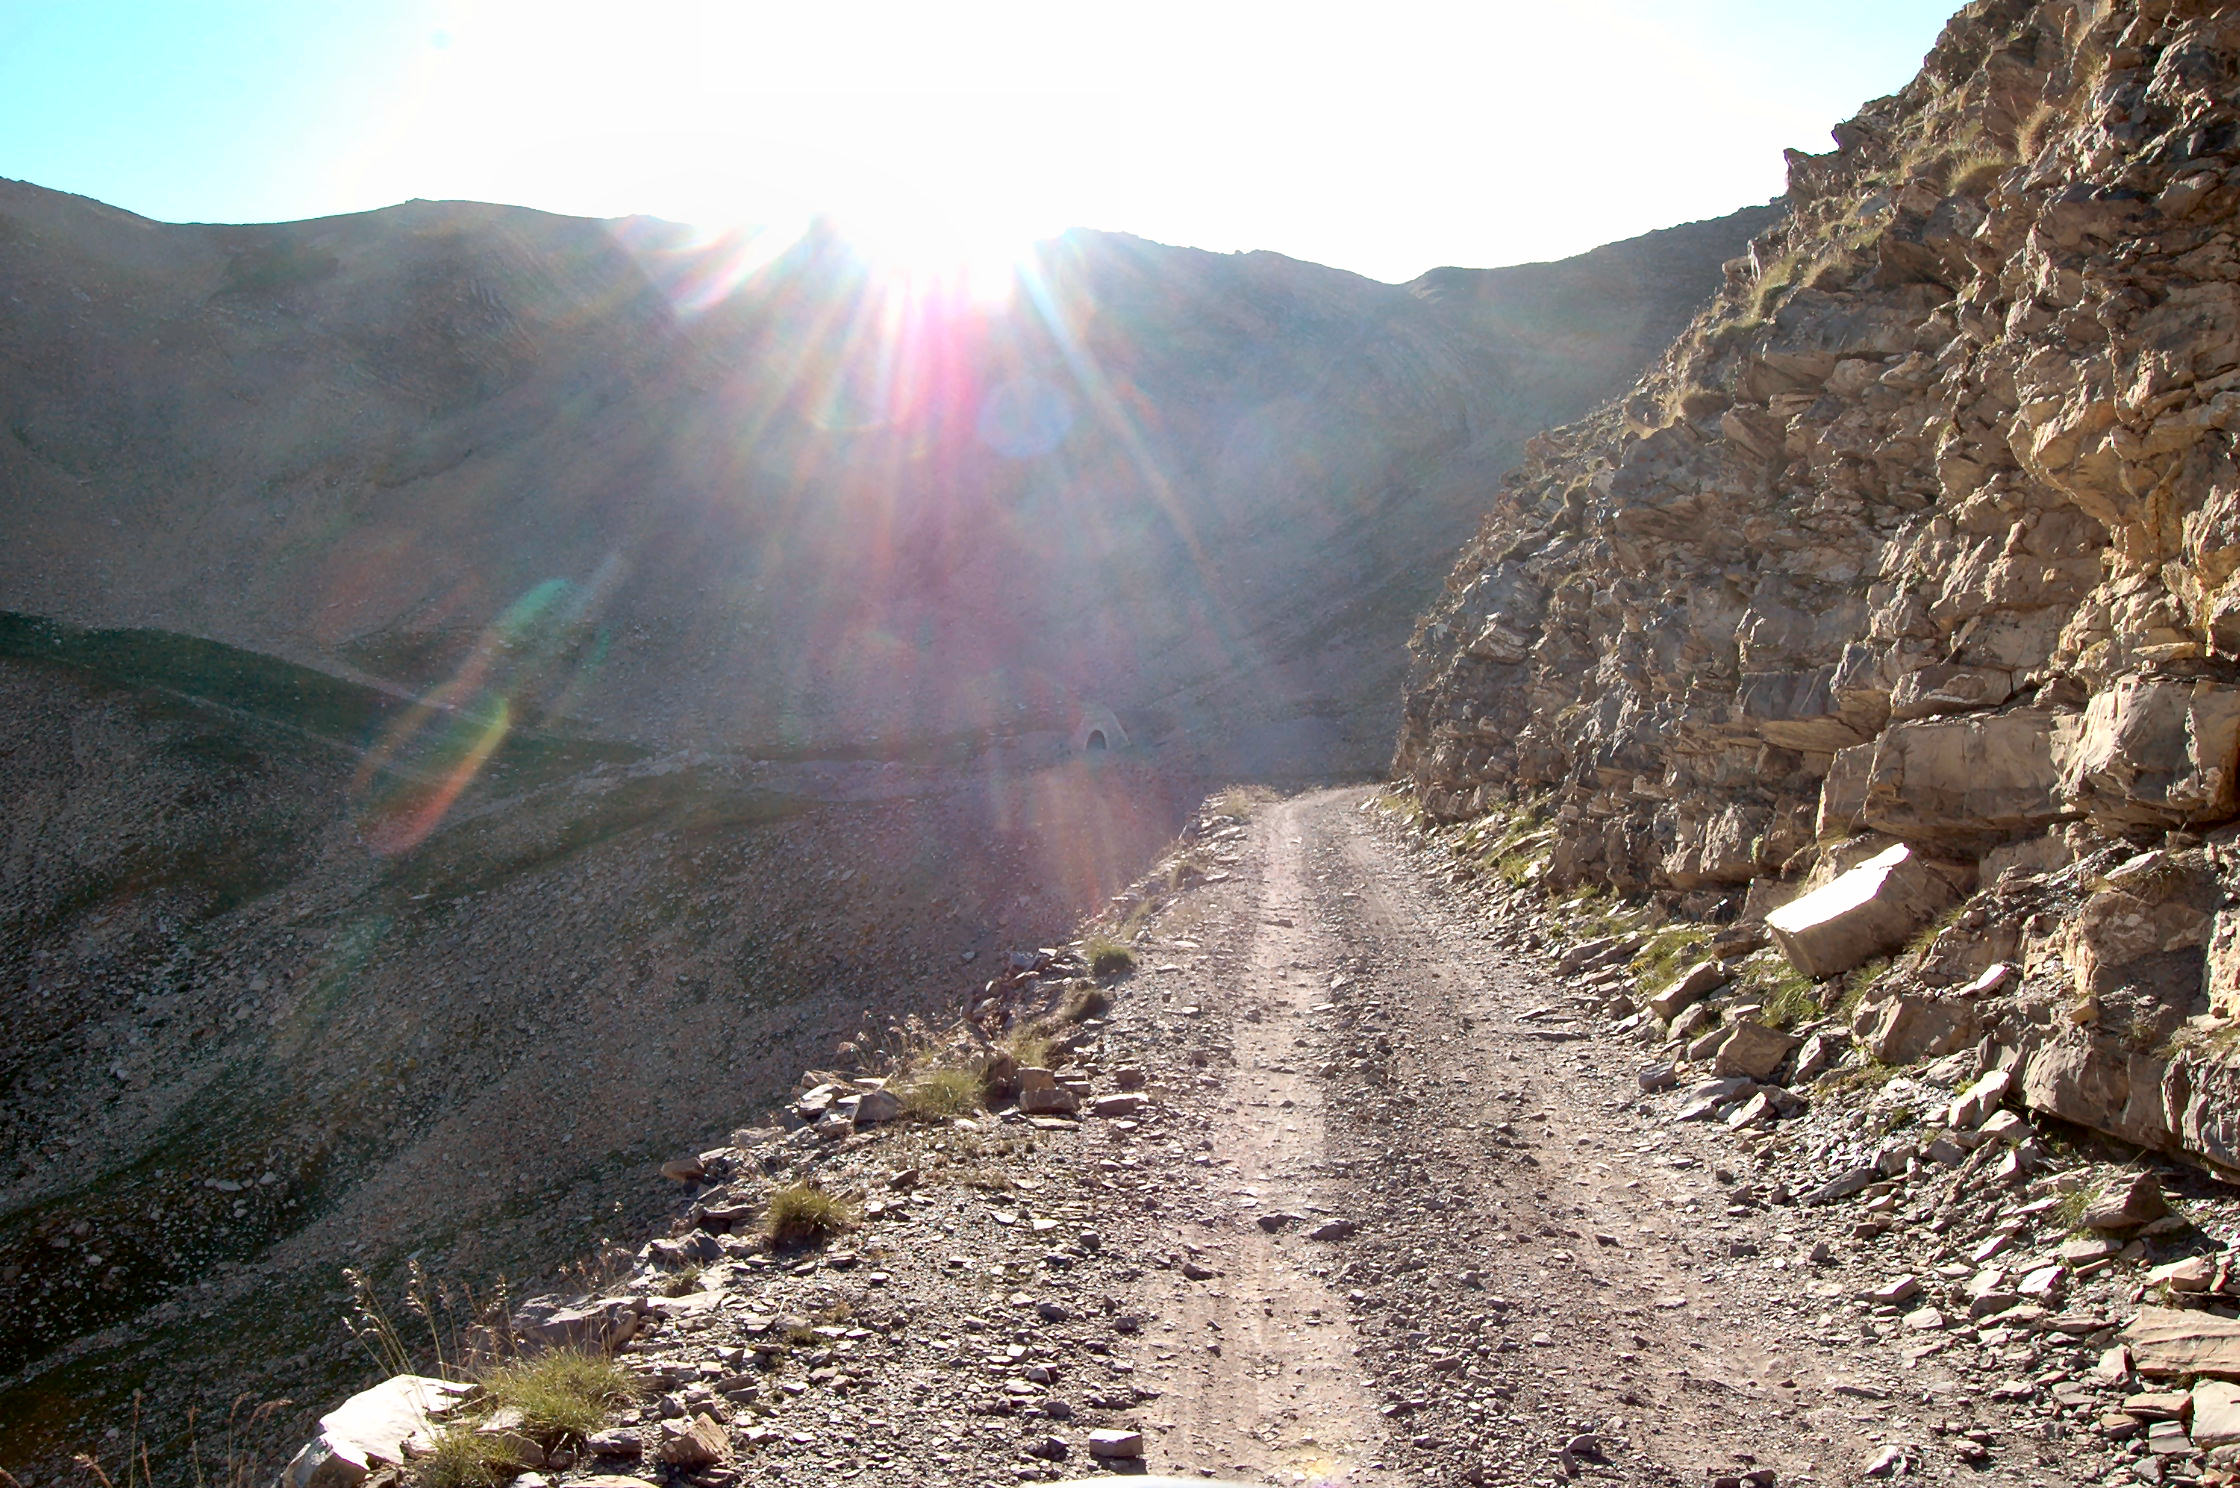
[{"x": 1546, "y": 1282}]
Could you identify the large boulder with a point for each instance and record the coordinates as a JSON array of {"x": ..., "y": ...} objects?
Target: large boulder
[
  {"x": 1927, "y": 691},
  {"x": 2099, "y": 1082},
  {"x": 1843, "y": 792},
  {"x": 600, "y": 1326},
  {"x": 2221, "y": 971},
  {"x": 1961, "y": 777},
  {"x": 690, "y": 1445},
  {"x": 2168, "y": 1341},
  {"x": 1797, "y": 710},
  {"x": 1691, "y": 987},
  {"x": 2155, "y": 752},
  {"x": 370, "y": 1429},
  {"x": 2175, "y": 1103},
  {"x": 1908, "y": 1027},
  {"x": 1752, "y": 1050},
  {"x": 2127, "y": 1203},
  {"x": 1980, "y": 1099},
  {"x": 2136, "y": 946},
  {"x": 2216, "y": 1415},
  {"x": 875, "y": 1107},
  {"x": 1040, "y": 1094},
  {"x": 1872, "y": 909},
  {"x": 2201, "y": 1107}
]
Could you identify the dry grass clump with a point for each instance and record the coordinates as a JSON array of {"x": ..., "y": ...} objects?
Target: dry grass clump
[
  {"x": 566, "y": 1394},
  {"x": 1239, "y": 802},
  {"x": 1084, "y": 1000},
  {"x": 556, "y": 1399},
  {"x": 465, "y": 1458},
  {"x": 1107, "y": 956},
  {"x": 802, "y": 1214},
  {"x": 1028, "y": 1045},
  {"x": 938, "y": 1093}
]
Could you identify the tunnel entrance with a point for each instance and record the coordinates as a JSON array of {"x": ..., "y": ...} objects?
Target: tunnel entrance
[{"x": 1097, "y": 729}]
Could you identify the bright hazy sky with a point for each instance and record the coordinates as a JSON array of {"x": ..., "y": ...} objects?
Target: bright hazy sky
[{"x": 1380, "y": 136}]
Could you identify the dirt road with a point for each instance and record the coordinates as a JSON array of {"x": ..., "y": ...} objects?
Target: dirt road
[
  {"x": 1359, "y": 1195},
  {"x": 1543, "y": 1278}
]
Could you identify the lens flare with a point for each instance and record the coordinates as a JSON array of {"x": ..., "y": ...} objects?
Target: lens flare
[
  {"x": 700, "y": 268},
  {"x": 539, "y": 649},
  {"x": 406, "y": 820}
]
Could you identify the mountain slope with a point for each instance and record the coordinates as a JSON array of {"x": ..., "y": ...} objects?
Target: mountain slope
[
  {"x": 792, "y": 511},
  {"x": 492, "y": 695}
]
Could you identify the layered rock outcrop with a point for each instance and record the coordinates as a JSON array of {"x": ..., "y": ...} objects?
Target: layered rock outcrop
[{"x": 1924, "y": 533}]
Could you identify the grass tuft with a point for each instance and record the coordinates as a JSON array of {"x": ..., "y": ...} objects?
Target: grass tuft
[
  {"x": 1918, "y": 948},
  {"x": 1858, "y": 983},
  {"x": 939, "y": 1094},
  {"x": 1402, "y": 804},
  {"x": 1084, "y": 1000},
  {"x": 1028, "y": 1045},
  {"x": 1667, "y": 953},
  {"x": 465, "y": 1458},
  {"x": 1107, "y": 956},
  {"x": 1592, "y": 911},
  {"x": 1239, "y": 802},
  {"x": 1780, "y": 276},
  {"x": 1789, "y": 1002},
  {"x": 1873, "y": 1074},
  {"x": 2031, "y": 137},
  {"x": 2067, "y": 1215},
  {"x": 1975, "y": 173},
  {"x": 803, "y": 1214},
  {"x": 566, "y": 1394},
  {"x": 1788, "y": 996}
]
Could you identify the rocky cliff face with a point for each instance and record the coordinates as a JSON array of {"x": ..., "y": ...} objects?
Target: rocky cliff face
[{"x": 1923, "y": 533}]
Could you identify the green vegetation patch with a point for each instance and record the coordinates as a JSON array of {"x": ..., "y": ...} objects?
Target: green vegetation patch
[
  {"x": 1668, "y": 952},
  {"x": 466, "y": 1458},
  {"x": 1788, "y": 997},
  {"x": 1872, "y": 1074},
  {"x": 1858, "y": 983}
]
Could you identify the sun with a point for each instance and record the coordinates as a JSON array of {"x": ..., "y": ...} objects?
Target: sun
[{"x": 951, "y": 248}]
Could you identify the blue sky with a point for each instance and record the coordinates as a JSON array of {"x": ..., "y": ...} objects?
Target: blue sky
[{"x": 1384, "y": 138}]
